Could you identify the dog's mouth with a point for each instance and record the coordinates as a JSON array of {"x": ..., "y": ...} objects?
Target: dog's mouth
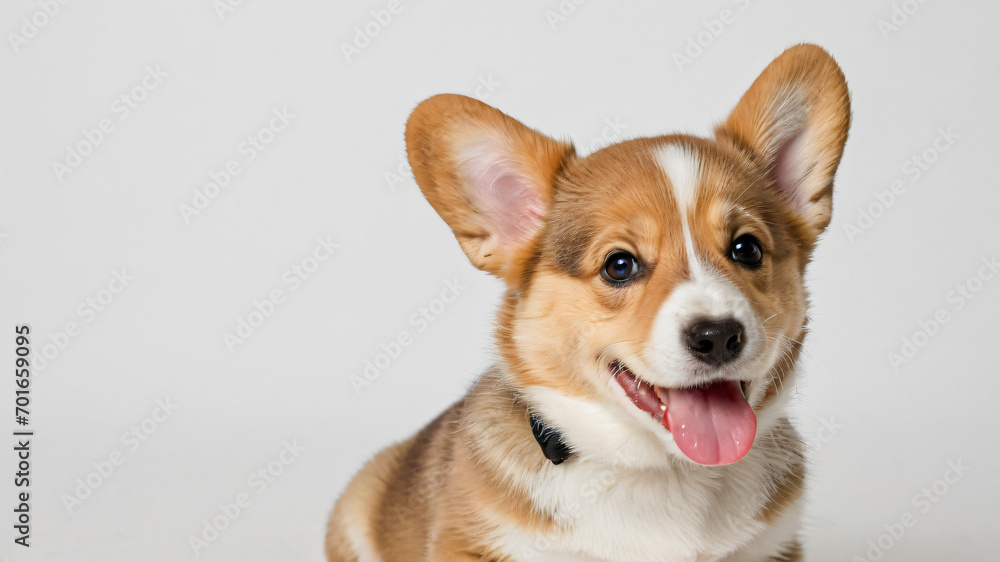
[{"x": 712, "y": 424}]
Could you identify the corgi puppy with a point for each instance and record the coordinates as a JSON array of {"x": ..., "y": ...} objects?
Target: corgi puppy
[{"x": 647, "y": 340}]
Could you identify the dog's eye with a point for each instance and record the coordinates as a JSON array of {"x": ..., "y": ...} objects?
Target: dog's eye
[
  {"x": 746, "y": 251},
  {"x": 620, "y": 266}
]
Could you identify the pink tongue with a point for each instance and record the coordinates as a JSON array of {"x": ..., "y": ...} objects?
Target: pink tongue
[{"x": 711, "y": 425}]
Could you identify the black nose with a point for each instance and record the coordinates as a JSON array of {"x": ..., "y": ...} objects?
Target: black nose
[{"x": 715, "y": 342}]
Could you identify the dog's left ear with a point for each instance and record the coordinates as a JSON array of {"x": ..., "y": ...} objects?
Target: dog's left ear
[{"x": 795, "y": 117}]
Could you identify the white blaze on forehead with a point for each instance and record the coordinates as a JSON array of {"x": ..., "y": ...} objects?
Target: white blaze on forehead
[{"x": 682, "y": 168}]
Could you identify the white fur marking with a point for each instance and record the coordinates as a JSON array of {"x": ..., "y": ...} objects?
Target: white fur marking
[
  {"x": 358, "y": 537},
  {"x": 682, "y": 168},
  {"x": 779, "y": 536}
]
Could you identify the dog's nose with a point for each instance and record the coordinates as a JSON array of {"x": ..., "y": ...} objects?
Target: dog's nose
[{"x": 715, "y": 342}]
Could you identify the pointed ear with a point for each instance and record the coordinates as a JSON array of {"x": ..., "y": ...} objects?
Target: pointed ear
[
  {"x": 487, "y": 175},
  {"x": 795, "y": 117}
]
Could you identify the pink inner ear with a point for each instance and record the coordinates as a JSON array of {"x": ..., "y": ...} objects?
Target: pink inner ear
[
  {"x": 789, "y": 170},
  {"x": 503, "y": 195}
]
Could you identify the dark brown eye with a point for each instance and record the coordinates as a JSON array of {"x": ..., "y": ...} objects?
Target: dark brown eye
[
  {"x": 745, "y": 250},
  {"x": 620, "y": 266}
]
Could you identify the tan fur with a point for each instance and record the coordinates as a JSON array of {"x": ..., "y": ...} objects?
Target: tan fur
[
  {"x": 443, "y": 483},
  {"x": 442, "y": 495}
]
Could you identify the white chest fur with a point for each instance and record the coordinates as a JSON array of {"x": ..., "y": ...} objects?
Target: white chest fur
[
  {"x": 611, "y": 513},
  {"x": 616, "y": 509}
]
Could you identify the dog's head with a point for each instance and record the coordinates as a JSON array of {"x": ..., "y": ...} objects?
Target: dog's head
[{"x": 656, "y": 292}]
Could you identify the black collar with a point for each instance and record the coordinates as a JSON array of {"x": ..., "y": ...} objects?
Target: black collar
[{"x": 550, "y": 440}]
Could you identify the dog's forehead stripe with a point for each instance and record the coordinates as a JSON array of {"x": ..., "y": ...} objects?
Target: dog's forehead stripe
[{"x": 683, "y": 170}]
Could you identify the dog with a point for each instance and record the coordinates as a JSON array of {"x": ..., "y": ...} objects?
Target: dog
[{"x": 646, "y": 341}]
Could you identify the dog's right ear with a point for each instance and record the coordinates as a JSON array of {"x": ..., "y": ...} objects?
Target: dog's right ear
[
  {"x": 795, "y": 116},
  {"x": 487, "y": 175}
]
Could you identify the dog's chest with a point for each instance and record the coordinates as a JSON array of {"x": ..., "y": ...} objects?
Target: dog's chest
[{"x": 611, "y": 514}]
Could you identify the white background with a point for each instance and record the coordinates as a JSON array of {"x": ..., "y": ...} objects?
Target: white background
[{"x": 62, "y": 238}]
